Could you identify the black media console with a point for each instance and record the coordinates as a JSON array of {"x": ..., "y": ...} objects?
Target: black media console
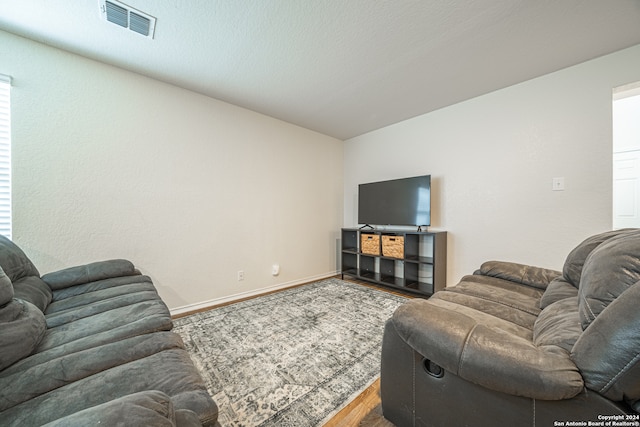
[{"x": 413, "y": 261}]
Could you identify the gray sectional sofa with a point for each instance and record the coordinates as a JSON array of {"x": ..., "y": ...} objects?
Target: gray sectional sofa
[
  {"x": 519, "y": 345},
  {"x": 91, "y": 345}
]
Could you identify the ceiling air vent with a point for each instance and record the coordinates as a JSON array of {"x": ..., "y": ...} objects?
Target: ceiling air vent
[{"x": 128, "y": 17}]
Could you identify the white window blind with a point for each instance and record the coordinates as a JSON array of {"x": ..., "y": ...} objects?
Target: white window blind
[{"x": 5, "y": 156}]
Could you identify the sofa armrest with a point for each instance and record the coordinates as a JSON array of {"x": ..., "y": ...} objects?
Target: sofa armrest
[
  {"x": 87, "y": 273},
  {"x": 529, "y": 275},
  {"x": 147, "y": 408},
  {"x": 487, "y": 356}
]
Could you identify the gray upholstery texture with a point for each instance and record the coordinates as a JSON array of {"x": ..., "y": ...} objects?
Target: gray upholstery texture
[
  {"x": 92, "y": 345},
  {"x": 23, "y": 275},
  {"x": 573, "y": 265},
  {"x": 522, "y": 335},
  {"x": 150, "y": 408},
  {"x": 609, "y": 270},
  {"x": 6, "y": 289},
  {"x": 558, "y": 289},
  {"x": 14, "y": 261},
  {"x": 22, "y": 326}
]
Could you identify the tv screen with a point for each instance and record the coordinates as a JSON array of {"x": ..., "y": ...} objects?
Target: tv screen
[{"x": 404, "y": 201}]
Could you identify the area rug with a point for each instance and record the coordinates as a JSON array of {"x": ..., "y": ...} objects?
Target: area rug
[{"x": 291, "y": 358}]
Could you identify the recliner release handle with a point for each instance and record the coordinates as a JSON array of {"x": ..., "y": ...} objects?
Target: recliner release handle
[{"x": 432, "y": 368}]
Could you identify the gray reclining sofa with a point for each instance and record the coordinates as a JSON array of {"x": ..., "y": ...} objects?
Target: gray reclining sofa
[
  {"x": 519, "y": 345},
  {"x": 91, "y": 345}
]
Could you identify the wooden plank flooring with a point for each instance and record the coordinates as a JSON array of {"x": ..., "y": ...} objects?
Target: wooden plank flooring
[{"x": 364, "y": 411}]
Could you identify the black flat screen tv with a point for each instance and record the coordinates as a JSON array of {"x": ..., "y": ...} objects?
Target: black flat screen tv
[{"x": 405, "y": 201}]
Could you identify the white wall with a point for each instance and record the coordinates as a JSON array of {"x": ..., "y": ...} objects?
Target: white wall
[
  {"x": 492, "y": 160},
  {"x": 111, "y": 164}
]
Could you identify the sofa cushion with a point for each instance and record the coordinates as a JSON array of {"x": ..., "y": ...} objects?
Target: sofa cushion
[
  {"x": 500, "y": 291},
  {"x": 608, "y": 271},
  {"x": 497, "y": 282},
  {"x": 34, "y": 290},
  {"x": 39, "y": 379},
  {"x": 133, "y": 328},
  {"x": 23, "y": 275},
  {"x": 170, "y": 371},
  {"x": 100, "y": 295},
  {"x": 88, "y": 273},
  {"x": 22, "y": 325},
  {"x": 608, "y": 351},
  {"x": 515, "y": 273},
  {"x": 557, "y": 290},
  {"x": 483, "y": 311},
  {"x": 572, "y": 270},
  {"x": 14, "y": 262},
  {"x": 135, "y": 296},
  {"x": 6, "y": 289},
  {"x": 147, "y": 408},
  {"x": 109, "y": 321},
  {"x": 558, "y": 324}
]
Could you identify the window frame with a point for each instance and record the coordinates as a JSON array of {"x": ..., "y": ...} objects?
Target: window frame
[{"x": 5, "y": 156}]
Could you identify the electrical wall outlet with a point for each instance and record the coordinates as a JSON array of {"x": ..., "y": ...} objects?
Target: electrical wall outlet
[
  {"x": 240, "y": 275},
  {"x": 558, "y": 184}
]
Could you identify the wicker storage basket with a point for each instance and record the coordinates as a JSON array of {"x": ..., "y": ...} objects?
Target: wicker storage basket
[
  {"x": 393, "y": 246},
  {"x": 370, "y": 244}
]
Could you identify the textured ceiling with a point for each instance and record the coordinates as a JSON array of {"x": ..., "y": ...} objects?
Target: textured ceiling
[{"x": 340, "y": 67}]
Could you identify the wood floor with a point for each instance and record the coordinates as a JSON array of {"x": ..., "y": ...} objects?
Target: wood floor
[{"x": 364, "y": 410}]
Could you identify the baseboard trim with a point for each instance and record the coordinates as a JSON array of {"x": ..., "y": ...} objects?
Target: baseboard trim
[{"x": 185, "y": 309}]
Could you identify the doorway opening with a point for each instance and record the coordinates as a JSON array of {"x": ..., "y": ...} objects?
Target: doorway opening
[{"x": 626, "y": 156}]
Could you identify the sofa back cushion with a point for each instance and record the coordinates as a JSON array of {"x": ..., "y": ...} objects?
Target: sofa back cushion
[
  {"x": 573, "y": 265},
  {"x": 14, "y": 262},
  {"x": 33, "y": 290},
  {"x": 22, "y": 326},
  {"x": 557, "y": 290},
  {"x": 609, "y": 270},
  {"x": 23, "y": 274},
  {"x": 6, "y": 289},
  {"x": 606, "y": 353},
  {"x": 558, "y": 324}
]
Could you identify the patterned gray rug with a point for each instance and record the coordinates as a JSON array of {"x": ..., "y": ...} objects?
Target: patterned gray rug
[{"x": 291, "y": 358}]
